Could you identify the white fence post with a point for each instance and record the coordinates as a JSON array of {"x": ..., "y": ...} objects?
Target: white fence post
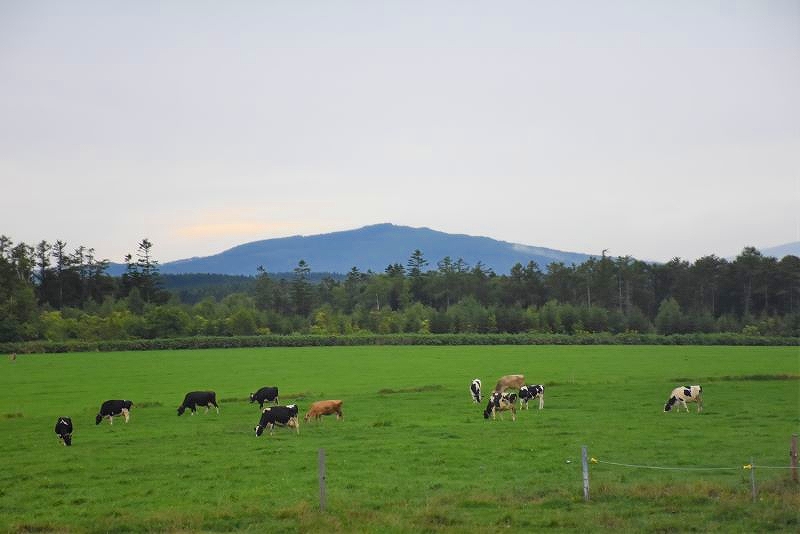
[{"x": 585, "y": 464}]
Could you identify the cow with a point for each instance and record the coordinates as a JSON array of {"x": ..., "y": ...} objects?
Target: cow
[
  {"x": 193, "y": 399},
  {"x": 278, "y": 415},
  {"x": 265, "y": 394},
  {"x": 684, "y": 394},
  {"x": 64, "y": 430},
  {"x": 509, "y": 381},
  {"x": 530, "y": 392},
  {"x": 326, "y": 407},
  {"x": 475, "y": 390},
  {"x": 500, "y": 402},
  {"x": 12, "y": 357},
  {"x": 113, "y": 408}
]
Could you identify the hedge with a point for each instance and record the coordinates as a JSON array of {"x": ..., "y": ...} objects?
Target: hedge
[{"x": 35, "y": 347}]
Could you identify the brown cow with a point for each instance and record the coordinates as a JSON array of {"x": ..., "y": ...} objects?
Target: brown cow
[
  {"x": 326, "y": 407},
  {"x": 509, "y": 381}
]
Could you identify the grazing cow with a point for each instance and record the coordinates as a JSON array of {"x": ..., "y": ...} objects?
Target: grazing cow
[
  {"x": 269, "y": 394},
  {"x": 684, "y": 394},
  {"x": 530, "y": 392},
  {"x": 64, "y": 430},
  {"x": 114, "y": 408},
  {"x": 500, "y": 402},
  {"x": 193, "y": 399},
  {"x": 509, "y": 381},
  {"x": 475, "y": 390},
  {"x": 12, "y": 357},
  {"x": 278, "y": 415},
  {"x": 326, "y": 407}
]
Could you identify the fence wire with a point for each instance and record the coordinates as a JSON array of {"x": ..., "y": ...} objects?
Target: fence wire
[{"x": 637, "y": 466}]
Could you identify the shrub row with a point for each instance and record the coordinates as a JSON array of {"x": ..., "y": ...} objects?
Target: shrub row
[{"x": 33, "y": 347}]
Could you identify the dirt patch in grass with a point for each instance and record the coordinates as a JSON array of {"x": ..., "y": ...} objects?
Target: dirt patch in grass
[
  {"x": 739, "y": 378},
  {"x": 420, "y": 389},
  {"x": 147, "y": 404}
]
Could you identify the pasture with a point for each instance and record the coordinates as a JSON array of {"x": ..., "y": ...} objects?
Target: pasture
[{"x": 413, "y": 453}]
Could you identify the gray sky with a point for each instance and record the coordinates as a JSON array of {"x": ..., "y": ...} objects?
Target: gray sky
[{"x": 653, "y": 129}]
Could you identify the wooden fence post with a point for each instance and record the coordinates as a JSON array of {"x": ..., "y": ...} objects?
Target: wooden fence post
[
  {"x": 585, "y": 464},
  {"x": 322, "y": 480},
  {"x": 753, "y": 478},
  {"x": 793, "y": 456}
]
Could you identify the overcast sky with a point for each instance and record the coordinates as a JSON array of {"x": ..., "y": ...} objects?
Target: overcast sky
[{"x": 652, "y": 129}]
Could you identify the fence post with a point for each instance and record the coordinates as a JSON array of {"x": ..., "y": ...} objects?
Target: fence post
[
  {"x": 793, "y": 456},
  {"x": 585, "y": 465},
  {"x": 753, "y": 478},
  {"x": 322, "y": 480}
]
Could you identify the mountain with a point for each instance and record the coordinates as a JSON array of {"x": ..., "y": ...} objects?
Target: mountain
[
  {"x": 369, "y": 248},
  {"x": 789, "y": 249}
]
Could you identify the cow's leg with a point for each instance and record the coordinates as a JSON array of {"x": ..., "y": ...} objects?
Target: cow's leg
[
  {"x": 541, "y": 401},
  {"x": 513, "y": 413},
  {"x": 126, "y": 414},
  {"x": 110, "y": 419}
]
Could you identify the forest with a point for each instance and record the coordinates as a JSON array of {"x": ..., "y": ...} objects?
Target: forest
[{"x": 50, "y": 293}]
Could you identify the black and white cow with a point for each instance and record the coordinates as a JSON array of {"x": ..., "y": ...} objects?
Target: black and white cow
[
  {"x": 684, "y": 394},
  {"x": 278, "y": 415},
  {"x": 193, "y": 399},
  {"x": 475, "y": 390},
  {"x": 530, "y": 392},
  {"x": 64, "y": 430},
  {"x": 269, "y": 394},
  {"x": 114, "y": 408},
  {"x": 500, "y": 402}
]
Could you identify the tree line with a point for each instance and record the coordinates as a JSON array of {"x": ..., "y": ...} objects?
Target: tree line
[{"x": 49, "y": 293}]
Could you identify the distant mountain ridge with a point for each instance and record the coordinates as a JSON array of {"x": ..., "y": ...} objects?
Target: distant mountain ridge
[
  {"x": 788, "y": 249},
  {"x": 373, "y": 247}
]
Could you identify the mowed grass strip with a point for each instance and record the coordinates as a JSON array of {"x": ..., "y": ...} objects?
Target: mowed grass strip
[{"x": 413, "y": 453}]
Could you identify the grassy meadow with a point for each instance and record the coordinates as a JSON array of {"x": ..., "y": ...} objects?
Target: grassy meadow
[{"x": 413, "y": 453}]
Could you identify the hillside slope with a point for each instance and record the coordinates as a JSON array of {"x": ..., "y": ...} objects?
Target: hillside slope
[{"x": 369, "y": 248}]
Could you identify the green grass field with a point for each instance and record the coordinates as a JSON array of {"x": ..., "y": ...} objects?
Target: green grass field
[{"x": 413, "y": 453}]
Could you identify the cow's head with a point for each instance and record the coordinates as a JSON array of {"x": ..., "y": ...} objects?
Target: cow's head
[
  {"x": 259, "y": 430},
  {"x": 181, "y": 409},
  {"x": 494, "y": 400},
  {"x": 670, "y": 403},
  {"x": 252, "y": 398},
  {"x": 98, "y": 419}
]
